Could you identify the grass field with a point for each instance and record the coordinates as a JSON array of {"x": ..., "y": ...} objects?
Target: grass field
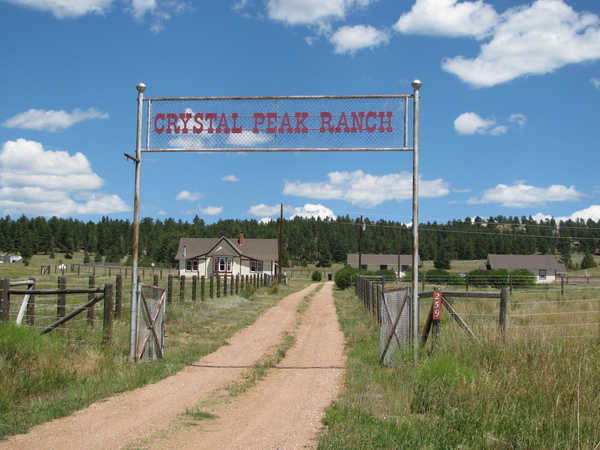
[{"x": 523, "y": 391}]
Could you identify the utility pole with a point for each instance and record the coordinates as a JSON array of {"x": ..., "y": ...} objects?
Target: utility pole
[
  {"x": 280, "y": 244},
  {"x": 360, "y": 239}
]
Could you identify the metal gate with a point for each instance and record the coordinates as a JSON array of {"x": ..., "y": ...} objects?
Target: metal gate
[
  {"x": 394, "y": 331},
  {"x": 150, "y": 341}
]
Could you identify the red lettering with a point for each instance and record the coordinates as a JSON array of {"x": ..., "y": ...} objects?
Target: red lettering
[
  {"x": 185, "y": 118},
  {"x": 271, "y": 122},
  {"x": 357, "y": 122},
  {"x": 223, "y": 126},
  {"x": 370, "y": 115},
  {"x": 259, "y": 119},
  {"x": 198, "y": 117},
  {"x": 157, "y": 129},
  {"x": 172, "y": 122},
  {"x": 286, "y": 125},
  {"x": 210, "y": 117},
  {"x": 300, "y": 118},
  {"x": 385, "y": 118},
  {"x": 235, "y": 128},
  {"x": 326, "y": 122},
  {"x": 342, "y": 122}
]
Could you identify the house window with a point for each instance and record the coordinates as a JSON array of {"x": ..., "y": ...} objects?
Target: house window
[
  {"x": 223, "y": 264},
  {"x": 383, "y": 267},
  {"x": 542, "y": 274},
  {"x": 256, "y": 266},
  {"x": 191, "y": 265}
]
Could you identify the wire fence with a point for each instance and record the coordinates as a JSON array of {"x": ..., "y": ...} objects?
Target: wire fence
[{"x": 556, "y": 310}]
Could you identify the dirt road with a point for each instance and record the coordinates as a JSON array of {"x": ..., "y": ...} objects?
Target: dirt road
[{"x": 282, "y": 411}]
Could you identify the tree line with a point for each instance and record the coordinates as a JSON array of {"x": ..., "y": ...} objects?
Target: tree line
[{"x": 320, "y": 241}]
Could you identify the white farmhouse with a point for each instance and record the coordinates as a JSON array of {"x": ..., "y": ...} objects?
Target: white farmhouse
[{"x": 227, "y": 257}]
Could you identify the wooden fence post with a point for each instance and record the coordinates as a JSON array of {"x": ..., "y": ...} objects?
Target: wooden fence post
[
  {"x": 225, "y": 285},
  {"x": 182, "y": 288},
  {"x": 503, "y": 307},
  {"x": 212, "y": 287},
  {"x": 237, "y": 284},
  {"x": 5, "y": 300},
  {"x": 202, "y": 287},
  {"x": 170, "y": 289},
  {"x": 31, "y": 305},
  {"x": 91, "y": 285},
  {"x": 194, "y": 287},
  {"x": 119, "y": 297},
  {"x": 218, "y": 286},
  {"x": 107, "y": 323},
  {"x": 61, "y": 306}
]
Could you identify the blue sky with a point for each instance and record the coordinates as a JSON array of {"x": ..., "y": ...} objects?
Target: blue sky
[{"x": 510, "y": 106}]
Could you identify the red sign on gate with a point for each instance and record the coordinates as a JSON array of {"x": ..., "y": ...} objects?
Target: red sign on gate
[{"x": 437, "y": 305}]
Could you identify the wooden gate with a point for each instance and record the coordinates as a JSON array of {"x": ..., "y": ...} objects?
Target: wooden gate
[{"x": 150, "y": 341}]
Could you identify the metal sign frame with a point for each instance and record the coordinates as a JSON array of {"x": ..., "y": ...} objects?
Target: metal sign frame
[{"x": 276, "y": 124}]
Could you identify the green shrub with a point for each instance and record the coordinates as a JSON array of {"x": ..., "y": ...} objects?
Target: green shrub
[
  {"x": 522, "y": 278},
  {"x": 249, "y": 291},
  {"x": 489, "y": 278},
  {"x": 344, "y": 277},
  {"x": 316, "y": 276},
  {"x": 443, "y": 277}
]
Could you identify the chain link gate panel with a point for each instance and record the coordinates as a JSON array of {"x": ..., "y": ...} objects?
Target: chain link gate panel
[
  {"x": 394, "y": 331},
  {"x": 151, "y": 323}
]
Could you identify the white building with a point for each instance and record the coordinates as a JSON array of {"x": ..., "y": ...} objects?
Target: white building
[{"x": 223, "y": 256}]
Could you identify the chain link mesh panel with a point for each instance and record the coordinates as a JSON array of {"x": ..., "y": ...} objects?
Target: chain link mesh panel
[
  {"x": 390, "y": 309},
  {"x": 277, "y": 123},
  {"x": 151, "y": 323}
]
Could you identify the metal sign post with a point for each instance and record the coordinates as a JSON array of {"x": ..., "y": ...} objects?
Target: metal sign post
[{"x": 280, "y": 124}]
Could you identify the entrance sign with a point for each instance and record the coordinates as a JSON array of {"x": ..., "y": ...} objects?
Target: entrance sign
[
  {"x": 280, "y": 124},
  {"x": 318, "y": 123}
]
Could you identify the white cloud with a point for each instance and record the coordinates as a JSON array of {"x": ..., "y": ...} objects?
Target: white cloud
[
  {"x": 212, "y": 210},
  {"x": 310, "y": 210},
  {"x": 593, "y": 213},
  {"x": 42, "y": 120},
  {"x": 319, "y": 13},
  {"x": 519, "y": 119},
  {"x": 40, "y": 182},
  {"x": 230, "y": 178},
  {"x": 160, "y": 10},
  {"x": 595, "y": 82},
  {"x": 531, "y": 40},
  {"x": 448, "y": 18},
  {"x": 350, "y": 39},
  {"x": 63, "y": 9},
  {"x": 364, "y": 189},
  {"x": 523, "y": 196},
  {"x": 306, "y": 12},
  {"x": 188, "y": 196},
  {"x": 264, "y": 210},
  {"x": 471, "y": 123}
]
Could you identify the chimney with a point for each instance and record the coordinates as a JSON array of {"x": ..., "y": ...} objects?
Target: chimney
[{"x": 241, "y": 239}]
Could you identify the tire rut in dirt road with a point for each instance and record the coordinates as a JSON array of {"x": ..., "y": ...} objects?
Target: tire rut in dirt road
[
  {"x": 284, "y": 410},
  {"x": 121, "y": 420}
]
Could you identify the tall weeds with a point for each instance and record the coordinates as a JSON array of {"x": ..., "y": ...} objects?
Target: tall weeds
[{"x": 520, "y": 391}]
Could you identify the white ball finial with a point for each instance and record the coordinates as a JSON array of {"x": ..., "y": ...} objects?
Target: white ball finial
[
  {"x": 416, "y": 84},
  {"x": 141, "y": 87}
]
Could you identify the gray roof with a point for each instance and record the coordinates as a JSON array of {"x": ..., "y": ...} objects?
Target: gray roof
[
  {"x": 372, "y": 259},
  {"x": 258, "y": 249},
  {"x": 527, "y": 262}
]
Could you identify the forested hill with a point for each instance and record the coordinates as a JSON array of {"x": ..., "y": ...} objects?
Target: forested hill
[{"x": 307, "y": 240}]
